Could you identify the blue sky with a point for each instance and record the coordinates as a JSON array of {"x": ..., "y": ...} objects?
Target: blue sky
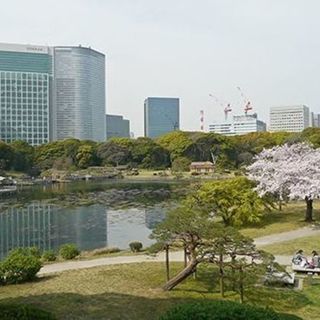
[{"x": 186, "y": 49}]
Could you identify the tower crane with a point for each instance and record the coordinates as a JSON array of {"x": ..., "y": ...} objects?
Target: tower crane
[
  {"x": 226, "y": 106},
  {"x": 246, "y": 101}
]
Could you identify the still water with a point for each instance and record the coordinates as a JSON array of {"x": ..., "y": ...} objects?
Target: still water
[{"x": 91, "y": 215}]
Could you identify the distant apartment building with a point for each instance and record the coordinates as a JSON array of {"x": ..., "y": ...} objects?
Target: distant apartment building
[
  {"x": 79, "y": 94},
  {"x": 161, "y": 115},
  {"x": 316, "y": 120},
  {"x": 117, "y": 127},
  {"x": 25, "y": 82},
  {"x": 241, "y": 124},
  {"x": 289, "y": 118},
  {"x": 51, "y": 93}
]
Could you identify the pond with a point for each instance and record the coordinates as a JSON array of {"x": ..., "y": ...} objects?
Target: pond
[{"x": 91, "y": 215}]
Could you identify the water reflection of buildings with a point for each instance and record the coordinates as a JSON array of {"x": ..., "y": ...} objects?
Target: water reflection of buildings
[{"x": 48, "y": 227}]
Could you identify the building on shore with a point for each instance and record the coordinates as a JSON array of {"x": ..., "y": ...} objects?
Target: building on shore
[
  {"x": 290, "y": 118},
  {"x": 161, "y": 115},
  {"x": 202, "y": 167},
  {"x": 51, "y": 93},
  {"x": 117, "y": 127},
  {"x": 241, "y": 124},
  {"x": 25, "y": 82}
]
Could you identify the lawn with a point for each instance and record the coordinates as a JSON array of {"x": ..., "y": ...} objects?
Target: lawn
[
  {"x": 290, "y": 218},
  {"x": 307, "y": 244},
  {"x": 133, "y": 292}
]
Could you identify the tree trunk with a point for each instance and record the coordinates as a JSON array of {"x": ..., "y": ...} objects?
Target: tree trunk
[
  {"x": 241, "y": 288},
  {"x": 221, "y": 271},
  {"x": 309, "y": 210},
  {"x": 280, "y": 205},
  {"x": 167, "y": 263},
  {"x": 185, "y": 273}
]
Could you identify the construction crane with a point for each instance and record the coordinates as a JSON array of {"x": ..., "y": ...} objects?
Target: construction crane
[
  {"x": 246, "y": 101},
  {"x": 226, "y": 106}
]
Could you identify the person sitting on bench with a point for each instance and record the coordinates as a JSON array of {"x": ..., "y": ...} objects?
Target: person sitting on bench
[
  {"x": 300, "y": 260},
  {"x": 315, "y": 259}
]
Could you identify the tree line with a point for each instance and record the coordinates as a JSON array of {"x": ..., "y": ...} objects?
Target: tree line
[{"x": 176, "y": 150}]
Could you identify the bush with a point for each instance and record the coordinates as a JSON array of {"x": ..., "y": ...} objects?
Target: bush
[
  {"x": 35, "y": 252},
  {"x": 68, "y": 251},
  {"x": 49, "y": 255},
  {"x": 223, "y": 310},
  {"x": 106, "y": 250},
  {"x": 23, "y": 312},
  {"x": 135, "y": 246},
  {"x": 19, "y": 266}
]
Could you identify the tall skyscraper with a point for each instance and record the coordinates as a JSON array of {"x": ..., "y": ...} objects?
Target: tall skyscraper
[
  {"x": 117, "y": 127},
  {"x": 79, "y": 94},
  {"x": 161, "y": 115},
  {"x": 25, "y": 81},
  {"x": 289, "y": 118},
  {"x": 241, "y": 124}
]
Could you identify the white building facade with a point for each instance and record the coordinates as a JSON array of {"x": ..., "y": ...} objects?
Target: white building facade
[
  {"x": 290, "y": 118},
  {"x": 239, "y": 125}
]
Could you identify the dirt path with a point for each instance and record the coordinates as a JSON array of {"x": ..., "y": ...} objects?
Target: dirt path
[{"x": 175, "y": 256}]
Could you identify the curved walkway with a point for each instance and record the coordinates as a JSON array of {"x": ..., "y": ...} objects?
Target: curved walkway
[{"x": 175, "y": 255}]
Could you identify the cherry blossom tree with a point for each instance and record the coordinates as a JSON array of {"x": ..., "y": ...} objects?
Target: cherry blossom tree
[{"x": 288, "y": 170}]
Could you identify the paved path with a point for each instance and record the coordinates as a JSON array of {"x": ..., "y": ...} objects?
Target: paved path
[
  {"x": 174, "y": 256},
  {"x": 287, "y": 236}
]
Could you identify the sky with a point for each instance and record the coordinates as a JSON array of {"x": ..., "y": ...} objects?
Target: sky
[{"x": 185, "y": 48}]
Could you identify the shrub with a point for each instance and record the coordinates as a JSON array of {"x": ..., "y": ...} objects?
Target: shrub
[
  {"x": 223, "y": 310},
  {"x": 135, "y": 246},
  {"x": 23, "y": 312},
  {"x": 49, "y": 255},
  {"x": 19, "y": 266},
  {"x": 35, "y": 252},
  {"x": 68, "y": 251},
  {"x": 106, "y": 250}
]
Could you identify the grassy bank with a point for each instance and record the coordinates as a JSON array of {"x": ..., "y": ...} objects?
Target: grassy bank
[
  {"x": 133, "y": 292},
  {"x": 290, "y": 218}
]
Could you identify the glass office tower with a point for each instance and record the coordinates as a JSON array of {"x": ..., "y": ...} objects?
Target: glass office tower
[
  {"x": 79, "y": 94},
  {"x": 161, "y": 115},
  {"x": 25, "y": 79}
]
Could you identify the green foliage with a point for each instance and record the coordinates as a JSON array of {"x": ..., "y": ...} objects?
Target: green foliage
[
  {"x": 180, "y": 164},
  {"x": 49, "y": 256},
  {"x": 135, "y": 246},
  {"x": 20, "y": 265},
  {"x": 23, "y": 312},
  {"x": 234, "y": 200},
  {"x": 222, "y": 310},
  {"x": 34, "y": 251},
  {"x": 6, "y": 156},
  {"x": 68, "y": 251},
  {"x": 85, "y": 156},
  {"x": 23, "y": 156}
]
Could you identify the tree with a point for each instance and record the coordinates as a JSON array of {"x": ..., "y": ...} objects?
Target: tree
[
  {"x": 191, "y": 228},
  {"x": 6, "y": 156},
  {"x": 288, "y": 170},
  {"x": 85, "y": 156},
  {"x": 23, "y": 155},
  {"x": 234, "y": 201},
  {"x": 113, "y": 153}
]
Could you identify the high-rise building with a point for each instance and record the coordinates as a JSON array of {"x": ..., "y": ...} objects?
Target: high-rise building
[
  {"x": 117, "y": 127},
  {"x": 239, "y": 125},
  {"x": 289, "y": 118},
  {"x": 79, "y": 94},
  {"x": 161, "y": 115},
  {"x": 50, "y": 93},
  {"x": 25, "y": 81}
]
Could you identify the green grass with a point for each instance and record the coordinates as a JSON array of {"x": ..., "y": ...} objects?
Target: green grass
[
  {"x": 133, "y": 291},
  {"x": 307, "y": 244},
  {"x": 290, "y": 218}
]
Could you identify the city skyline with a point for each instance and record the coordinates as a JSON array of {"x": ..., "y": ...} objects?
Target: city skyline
[{"x": 192, "y": 50}]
